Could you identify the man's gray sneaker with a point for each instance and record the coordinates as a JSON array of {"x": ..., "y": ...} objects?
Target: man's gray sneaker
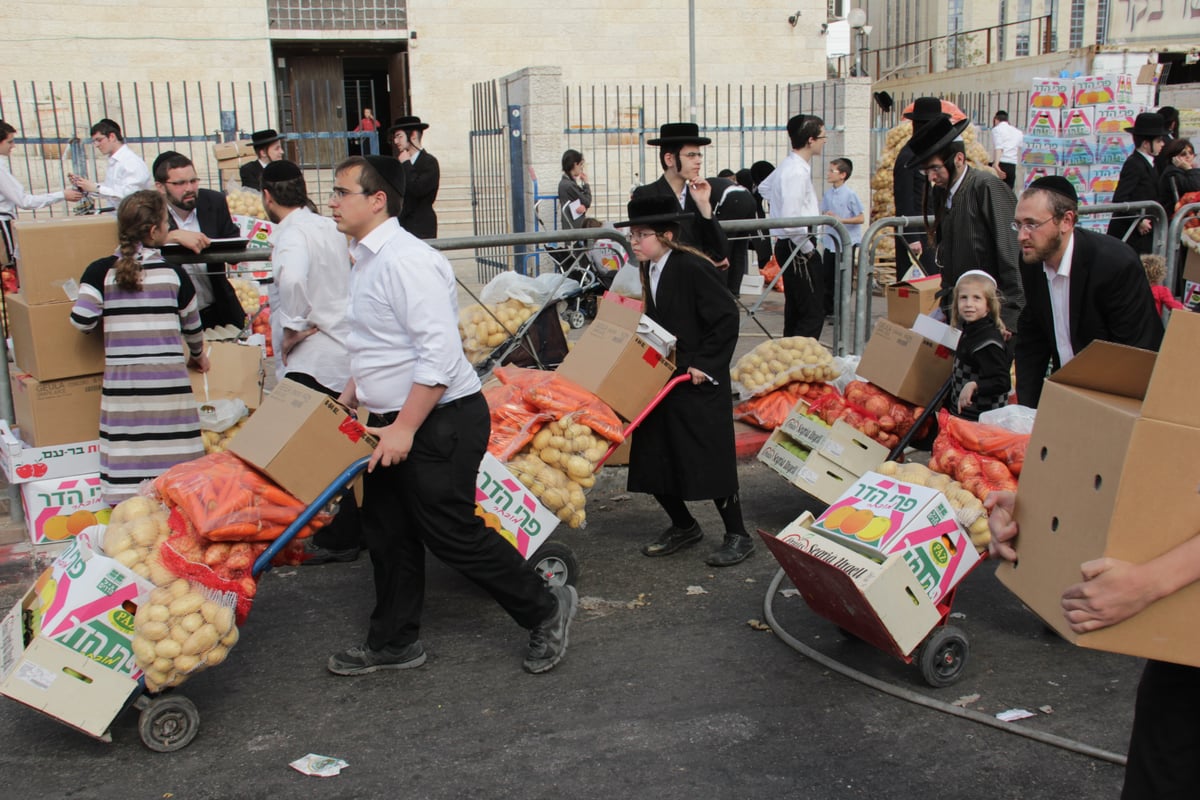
[
  {"x": 361, "y": 660},
  {"x": 548, "y": 641}
]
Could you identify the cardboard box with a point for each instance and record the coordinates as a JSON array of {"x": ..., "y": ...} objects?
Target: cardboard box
[
  {"x": 302, "y": 439},
  {"x": 1129, "y": 493},
  {"x": 1096, "y": 90},
  {"x": 841, "y": 443},
  {"x": 1051, "y": 93},
  {"x": 1033, "y": 173},
  {"x": 22, "y": 464},
  {"x": 47, "y": 345},
  {"x": 236, "y": 372},
  {"x": 908, "y": 299},
  {"x": 1103, "y": 178},
  {"x": 1113, "y": 149},
  {"x": 806, "y": 470},
  {"x": 1077, "y": 123},
  {"x": 1045, "y": 122},
  {"x": 1079, "y": 177},
  {"x": 257, "y": 233},
  {"x": 879, "y": 517},
  {"x": 1191, "y": 280},
  {"x": 59, "y": 508},
  {"x": 1075, "y": 152},
  {"x": 238, "y": 152},
  {"x": 53, "y": 251},
  {"x": 1040, "y": 151},
  {"x": 1114, "y": 118},
  {"x": 905, "y": 363},
  {"x": 612, "y": 362},
  {"x": 510, "y": 509},
  {"x": 752, "y": 286},
  {"x": 65, "y": 647},
  {"x": 56, "y": 412},
  {"x": 882, "y": 603}
]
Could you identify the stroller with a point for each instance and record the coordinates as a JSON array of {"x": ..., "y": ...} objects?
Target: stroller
[{"x": 592, "y": 264}]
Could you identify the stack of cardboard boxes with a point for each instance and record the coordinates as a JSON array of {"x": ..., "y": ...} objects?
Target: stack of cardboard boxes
[
  {"x": 230, "y": 156},
  {"x": 56, "y": 378},
  {"x": 1077, "y": 130}
]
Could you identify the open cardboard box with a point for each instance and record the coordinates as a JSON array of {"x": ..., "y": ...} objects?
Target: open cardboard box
[
  {"x": 811, "y": 472},
  {"x": 613, "y": 362},
  {"x": 1112, "y": 471},
  {"x": 911, "y": 364},
  {"x": 841, "y": 443},
  {"x": 235, "y": 373},
  {"x": 909, "y": 298}
]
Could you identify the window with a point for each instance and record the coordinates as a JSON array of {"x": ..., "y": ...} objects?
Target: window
[
  {"x": 1075, "y": 38},
  {"x": 337, "y": 14},
  {"x": 1101, "y": 22}
]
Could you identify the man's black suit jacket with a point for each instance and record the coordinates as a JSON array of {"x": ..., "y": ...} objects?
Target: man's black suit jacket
[
  {"x": 421, "y": 181},
  {"x": 705, "y": 235},
  {"x": 1138, "y": 181},
  {"x": 212, "y": 212},
  {"x": 1110, "y": 301}
]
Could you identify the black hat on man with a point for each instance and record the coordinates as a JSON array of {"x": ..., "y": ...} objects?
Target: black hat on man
[
  {"x": 263, "y": 138},
  {"x": 391, "y": 170},
  {"x": 1149, "y": 123},
  {"x": 409, "y": 123},
  {"x": 759, "y": 171},
  {"x": 658, "y": 212},
  {"x": 925, "y": 109},
  {"x": 164, "y": 156},
  {"x": 933, "y": 137},
  {"x": 1056, "y": 184},
  {"x": 282, "y": 170},
  {"x": 673, "y": 133}
]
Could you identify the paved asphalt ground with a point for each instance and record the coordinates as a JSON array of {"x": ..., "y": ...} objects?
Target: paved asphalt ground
[{"x": 668, "y": 691}]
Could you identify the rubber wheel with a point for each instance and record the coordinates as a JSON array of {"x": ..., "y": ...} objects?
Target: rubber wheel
[
  {"x": 575, "y": 319},
  {"x": 168, "y": 723},
  {"x": 556, "y": 564},
  {"x": 943, "y": 656}
]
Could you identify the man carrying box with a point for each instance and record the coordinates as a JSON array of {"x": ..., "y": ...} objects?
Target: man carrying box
[
  {"x": 126, "y": 172},
  {"x": 424, "y": 401},
  {"x": 1164, "y": 748}
]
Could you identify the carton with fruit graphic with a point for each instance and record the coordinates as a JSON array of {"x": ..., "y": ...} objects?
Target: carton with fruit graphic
[
  {"x": 1045, "y": 122},
  {"x": 1103, "y": 178},
  {"x": 1095, "y": 90},
  {"x": 1113, "y": 150},
  {"x": 1114, "y": 118},
  {"x": 1051, "y": 93},
  {"x": 881, "y": 517},
  {"x": 510, "y": 509},
  {"x": 22, "y": 464},
  {"x": 1077, "y": 123},
  {"x": 59, "y": 508},
  {"x": 1040, "y": 151},
  {"x": 1075, "y": 152}
]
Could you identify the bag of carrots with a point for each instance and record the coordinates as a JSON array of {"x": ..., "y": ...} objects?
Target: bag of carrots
[
  {"x": 514, "y": 421},
  {"x": 557, "y": 396},
  {"x": 226, "y": 500},
  {"x": 768, "y": 411}
]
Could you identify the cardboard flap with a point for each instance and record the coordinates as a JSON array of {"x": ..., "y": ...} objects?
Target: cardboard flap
[
  {"x": 624, "y": 312},
  {"x": 1109, "y": 368},
  {"x": 1170, "y": 396},
  {"x": 937, "y": 332}
]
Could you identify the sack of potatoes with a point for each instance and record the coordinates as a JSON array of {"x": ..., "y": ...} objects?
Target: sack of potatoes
[{"x": 780, "y": 361}]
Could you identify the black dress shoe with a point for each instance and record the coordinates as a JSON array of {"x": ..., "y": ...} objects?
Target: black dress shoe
[
  {"x": 673, "y": 540},
  {"x": 315, "y": 555},
  {"x": 734, "y": 550}
]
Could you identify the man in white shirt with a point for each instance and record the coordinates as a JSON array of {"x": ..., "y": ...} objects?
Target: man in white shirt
[
  {"x": 789, "y": 192},
  {"x": 423, "y": 399},
  {"x": 13, "y": 195},
  {"x": 126, "y": 172},
  {"x": 1006, "y": 145},
  {"x": 309, "y": 295}
]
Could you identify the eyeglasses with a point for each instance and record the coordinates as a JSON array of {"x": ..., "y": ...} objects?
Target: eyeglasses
[
  {"x": 933, "y": 168},
  {"x": 189, "y": 182},
  {"x": 338, "y": 193},
  {"x": 637, "y": 236},
  {"x": 1028, "y": 227},
  {"x": 692, "y": 154}
]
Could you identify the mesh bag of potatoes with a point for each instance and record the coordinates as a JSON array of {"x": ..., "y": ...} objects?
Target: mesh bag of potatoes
[
  {"x": 246, "y": 204},
  {"x": 558, "y": 466},
  {"x": 248, "y": 294},
  {"x": 777, "y": 362},
  {"x": 483, "y": 328},
  {"x": 968, "y": 508}
]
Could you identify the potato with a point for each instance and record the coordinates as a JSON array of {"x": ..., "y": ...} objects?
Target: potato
[
  {"x": 203, "y": 639},
  {"x": 192, "y": 622},
  {"x": 186, "y": 663},
  {"x": 231, "y": 638},
  {"x": 154, "y": 631},
  {"x": 168, "y": 648},
  {"x": 217, "y": 655},
  {"x": 179, "y": 587},
  {"x": 163, "y": 665},
  {"x": 143, "y": 651},
  {"x": 186, "y": 604}
]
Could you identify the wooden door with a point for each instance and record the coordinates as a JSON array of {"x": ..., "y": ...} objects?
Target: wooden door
[{"x": 318, "y": 102}]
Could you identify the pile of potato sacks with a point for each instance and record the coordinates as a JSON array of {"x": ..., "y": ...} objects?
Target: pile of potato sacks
[{"x": 183, "y": 628}]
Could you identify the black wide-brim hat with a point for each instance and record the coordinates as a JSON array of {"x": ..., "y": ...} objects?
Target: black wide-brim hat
[
  {"x": 925, "y": 109},
  {"x": 264, "y": 137},
  {"x": 1149, "y": 123},
  {"x": 674, "y": 133},
  {"x": 656, "y": 212},
  {"x": 409, "y": 124},
  {"x": 933, "y": 138}
]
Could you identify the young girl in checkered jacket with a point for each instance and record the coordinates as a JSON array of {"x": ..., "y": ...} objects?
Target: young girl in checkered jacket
[{"x": 982, "y": 377}]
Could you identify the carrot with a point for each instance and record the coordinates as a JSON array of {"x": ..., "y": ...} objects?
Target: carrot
[{"x": 276, "y": 496}]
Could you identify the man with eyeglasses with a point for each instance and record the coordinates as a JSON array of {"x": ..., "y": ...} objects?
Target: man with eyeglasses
[
  {"x": 422, "y": 398},
  {"x": 973, "y": 213},
  {"x": 1139, "y": 180},
  {"x": 125, "y": 174},
  {"x": 789, "y": 192},
  {"x": 197, "y": 216},
  {"x": 1079, "y": 286},
  {"x": 682, "y": 160}
]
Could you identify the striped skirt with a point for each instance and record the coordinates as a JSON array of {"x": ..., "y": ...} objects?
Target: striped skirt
[{"x": 148, "y": 423}]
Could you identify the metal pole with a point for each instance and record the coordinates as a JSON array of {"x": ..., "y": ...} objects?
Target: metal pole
[{"x": 692, "y": 54}]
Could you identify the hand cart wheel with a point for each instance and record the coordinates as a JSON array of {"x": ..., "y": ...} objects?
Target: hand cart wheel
[
  {"x": 556, "y": 564},
  {"x": 574, "y": 318},
  {"x": 943, "y": 656},
  {"x": 168, "y": 722}
]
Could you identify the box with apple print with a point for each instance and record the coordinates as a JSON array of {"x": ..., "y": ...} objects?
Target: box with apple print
[{"x": 22, "y": 464}]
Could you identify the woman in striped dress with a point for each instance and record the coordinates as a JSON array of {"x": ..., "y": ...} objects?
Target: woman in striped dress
[{"x": 148, "y": 416}]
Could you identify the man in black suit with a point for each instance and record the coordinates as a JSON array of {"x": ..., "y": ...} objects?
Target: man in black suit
[
  {"x": 197, "y": 216},
  {"x": 909, "y": 190},
  {"x": 734, "y": 201},
  {"x": 681, "y": 158},
  {"x": 1079, "y": 286},
  {"x": 422, "y": 176},
  {"x": 268, "y": 146},
  {"x": 1139, "y": 179},
  {"x": 975, "y": 230}
]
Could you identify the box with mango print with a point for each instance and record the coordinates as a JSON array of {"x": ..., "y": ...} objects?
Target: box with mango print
[
  {"x": 879, "y": 517},
  {"x": 59, "y": 508},
  {"x": 509, "y": 509}
]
